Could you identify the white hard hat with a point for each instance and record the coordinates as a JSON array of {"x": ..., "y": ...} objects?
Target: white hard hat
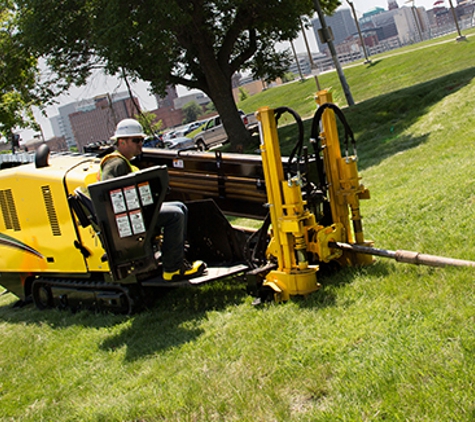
[{"x": 128, "y": 128}]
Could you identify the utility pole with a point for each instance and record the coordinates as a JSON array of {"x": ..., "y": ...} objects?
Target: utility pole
[{"x": 328, "y": 39}]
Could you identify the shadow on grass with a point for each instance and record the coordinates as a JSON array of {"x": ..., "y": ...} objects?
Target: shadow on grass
[
  {"x": 374, "y": 63},
  {"x": 380, "y": 123},
  {"x": 172, "y": 318},
  {"x": 175, "y": 318}
]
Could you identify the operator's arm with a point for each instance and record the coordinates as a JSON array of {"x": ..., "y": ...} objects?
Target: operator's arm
[{"x": 114, "y": 167}]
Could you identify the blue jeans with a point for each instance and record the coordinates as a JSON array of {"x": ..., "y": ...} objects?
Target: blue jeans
[{"x": 173, "y": 217}]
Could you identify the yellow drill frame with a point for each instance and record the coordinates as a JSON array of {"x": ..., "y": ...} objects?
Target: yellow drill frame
[
  {"x": 289, "y": 219},
  {"x": 344, "y": 188},
  {"x": 295, "y": 231}
]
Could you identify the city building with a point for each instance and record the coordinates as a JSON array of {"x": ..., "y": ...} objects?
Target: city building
[
  {"x": 167, "y": 113},
  {"x": 95, "y": 119},
  {"x": 322, "y": 62},
  {"x": 167, "y": 100},
  {"x": 61, "y": 124},
  {"x": 381, "y": 21},
  {"x": 198, "y": 97},
  {"x": 92, "y": 120},
  {"x": 55, "y": 144}
]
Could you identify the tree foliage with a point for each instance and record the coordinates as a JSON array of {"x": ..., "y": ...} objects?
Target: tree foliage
[
  {"x": 149, "y": 122},
  {"x": 18, "y": 78},
  {"x": 243, "y": 93},
  {"x": 196, "y": 43},
  {"x": 191, "y": 111}
]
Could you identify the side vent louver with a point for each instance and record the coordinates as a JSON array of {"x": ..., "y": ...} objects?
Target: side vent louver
[
  {"x": 7, "y": 205},
  {"x": 49, "y": 204}
]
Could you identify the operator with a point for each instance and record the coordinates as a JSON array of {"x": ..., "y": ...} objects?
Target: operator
[{"x": 128, "y": 140}]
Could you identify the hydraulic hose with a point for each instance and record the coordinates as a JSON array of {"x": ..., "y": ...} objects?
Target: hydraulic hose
[
  {"x": 315, "y": 131},
  {"x": 297, "y": 150}
]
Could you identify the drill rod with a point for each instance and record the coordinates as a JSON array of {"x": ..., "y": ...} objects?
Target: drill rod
[{"x": 407, "y": 257}]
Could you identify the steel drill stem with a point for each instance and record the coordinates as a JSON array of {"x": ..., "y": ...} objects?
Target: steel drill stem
[{"x": 408, "y": 257}]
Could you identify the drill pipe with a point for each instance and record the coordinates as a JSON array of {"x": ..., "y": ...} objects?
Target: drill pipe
[{"x": 407, "y": 257}]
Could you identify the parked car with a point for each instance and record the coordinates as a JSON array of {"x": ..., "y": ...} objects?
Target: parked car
[
  {"x": 182, "y": 142},
  {"x": 169, "y": 135},
  {"x": 185, "y": 130},
  {"x": 213, "y": 132},
  {"x": 194, "y": 125},
  {"x": 153, "y": 142}
]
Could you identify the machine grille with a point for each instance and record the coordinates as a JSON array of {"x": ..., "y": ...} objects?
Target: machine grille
[
  {"x": 7, "y": 205},
  {"x": 49, "y": 204}
]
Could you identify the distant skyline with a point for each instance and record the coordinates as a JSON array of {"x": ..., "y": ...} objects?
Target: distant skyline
[
  {"x": 361, "y": 7},
  {"x": 101, "y": 84}
]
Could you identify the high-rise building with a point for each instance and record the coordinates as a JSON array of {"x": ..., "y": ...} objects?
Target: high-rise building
[
  {"x": 62, "y": 126},
  {"x": 412, "y": 24},
  {"x": 404, "y": 24},
  {"x": 342, "y": 26}
]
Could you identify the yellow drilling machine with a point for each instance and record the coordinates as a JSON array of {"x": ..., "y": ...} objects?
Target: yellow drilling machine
[{"x": 71, "y": 242}]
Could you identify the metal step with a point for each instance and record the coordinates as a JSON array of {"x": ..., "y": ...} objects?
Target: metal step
[{"x": 211, "y": 274}]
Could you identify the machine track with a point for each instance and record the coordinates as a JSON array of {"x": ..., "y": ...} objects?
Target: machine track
[{"x": 84, "y": 294}]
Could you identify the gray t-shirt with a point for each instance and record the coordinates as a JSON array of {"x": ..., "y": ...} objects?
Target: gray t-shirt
[{"x": 115, "y": 167}]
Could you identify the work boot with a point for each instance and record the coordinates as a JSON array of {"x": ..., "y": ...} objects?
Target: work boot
[{"x": 186, "y": 272}]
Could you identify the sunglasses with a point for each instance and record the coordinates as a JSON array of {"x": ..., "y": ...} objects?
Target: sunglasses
[{"x": 136, "y": 140}]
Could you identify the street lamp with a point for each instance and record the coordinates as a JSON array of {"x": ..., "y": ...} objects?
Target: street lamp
[
  {"x": 416, "y": 18},
  {"x": 310, "y": 58},
  {"x": 328, "y": 39},
  {"x": 297, "y": 61},
  {"x": 367, "y": 60},
  {"x": 460, "y": 37}
]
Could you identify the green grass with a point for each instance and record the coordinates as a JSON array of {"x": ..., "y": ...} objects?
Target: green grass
[
  {"x": 409, "y": 83},
  {"x": 390, "y": 342}
]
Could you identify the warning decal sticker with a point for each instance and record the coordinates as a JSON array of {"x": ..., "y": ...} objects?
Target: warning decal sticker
[
  {"x": 136, "y": 219},
  {"x": 123, "y": 225},
  {"x": 131, "y": 198},
  {"x": 117, "y": 199},
  {"x": 145, "y": 194},
  {"x": 177, "y": 163}
]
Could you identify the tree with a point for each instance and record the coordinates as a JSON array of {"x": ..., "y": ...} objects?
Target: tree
[
  {"x": 210, "y": 108},
  {"x": 191, "y": 111},
  {"x": 243, "y": 94},
  {"x": 196, "y": 43},
  {"x": 146, "y": 119},
  {"x": 18, "y": 79},
  {"x": 288, "y": 77}
]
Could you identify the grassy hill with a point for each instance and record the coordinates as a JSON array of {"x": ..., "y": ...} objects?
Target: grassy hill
[{"x": 388, "y": 342}]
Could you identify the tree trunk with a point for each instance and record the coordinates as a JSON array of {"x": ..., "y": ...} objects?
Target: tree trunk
[
  {"x": 220, "y": 92},
  {"x": 238, "y": 135}
]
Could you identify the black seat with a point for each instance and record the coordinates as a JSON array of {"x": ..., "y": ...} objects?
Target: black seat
[{"x": 83, "y": 208}]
